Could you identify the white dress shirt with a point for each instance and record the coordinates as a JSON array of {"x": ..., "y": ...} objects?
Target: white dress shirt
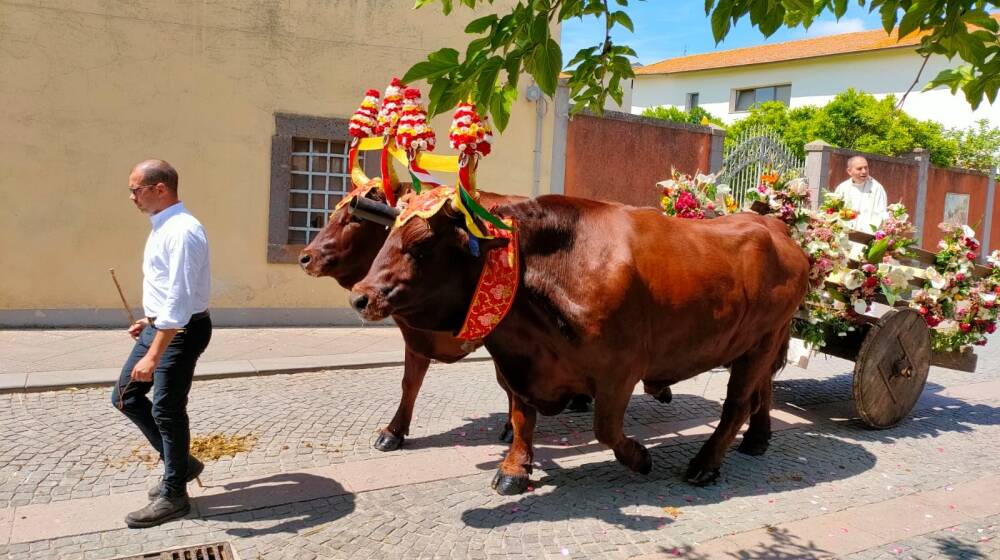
[
  {"x": 176, "y": 279},
  {"x": 867, "y": 199}
]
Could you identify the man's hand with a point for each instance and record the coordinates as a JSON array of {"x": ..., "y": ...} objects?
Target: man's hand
[
  {"x": 143, "y": 370},
  {"x": 136, "y": 328}
]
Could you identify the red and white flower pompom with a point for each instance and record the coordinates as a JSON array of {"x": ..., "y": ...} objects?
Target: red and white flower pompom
[
  {"x": 364, "y": 120},
  {"x": 470, "y": 133},
  {"x": 413, "y": 132},
  {"x": 392, "y": 104}
]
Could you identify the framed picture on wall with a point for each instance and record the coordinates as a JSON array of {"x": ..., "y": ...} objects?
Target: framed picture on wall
[{"x": 956, "y": 208}]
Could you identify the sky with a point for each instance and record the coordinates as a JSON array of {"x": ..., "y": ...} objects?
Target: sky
[{"x": 672, "y": 28}]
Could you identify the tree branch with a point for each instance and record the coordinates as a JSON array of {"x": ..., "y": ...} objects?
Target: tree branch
[{"x": 915, "y": 81}]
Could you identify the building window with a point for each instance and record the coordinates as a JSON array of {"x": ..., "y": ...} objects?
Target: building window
[
  {"x": 691, "y": 101},
  {"x": 319, "y": 179},
  {"x": 746, "y": 99},
  {"x": 309, "y": 175}
]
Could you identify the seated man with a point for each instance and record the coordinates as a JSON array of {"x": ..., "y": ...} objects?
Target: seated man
[{"x": 863, "y": 194}]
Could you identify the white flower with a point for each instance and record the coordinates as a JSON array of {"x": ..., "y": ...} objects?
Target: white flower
[
  {"x": 705, "y": 178},
  {"x": 860, "y": 306},
  {"x": 854, "y": 279},
  {"x": 988, "y": 297},
  {"x": 668, "y": 184},
  {"x": 898, "y": 277},
  {"x": 798, "y": 186},
  {"x": 937, "y": 281},
  {"x": 963, "y": 306},
  {"x": 723, "y": 189},
  {"x": 968, "y": 232},
  {"x": 947, "y": 326}
]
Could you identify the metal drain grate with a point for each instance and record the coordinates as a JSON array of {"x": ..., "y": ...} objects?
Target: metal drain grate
[{"x": 214, "y": 551}]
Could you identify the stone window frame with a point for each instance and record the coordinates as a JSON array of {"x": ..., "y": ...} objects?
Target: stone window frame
[{"x": 289, "y": 126}]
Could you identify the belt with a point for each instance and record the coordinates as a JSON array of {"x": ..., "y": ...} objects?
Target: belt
[{"x": 196, "y": 317}]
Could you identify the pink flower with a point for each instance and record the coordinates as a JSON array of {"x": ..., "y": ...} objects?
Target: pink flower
[
  {"x": 970, "y": 255},
  {"x": 880, "y": 235},
  {"x": 868, "y": 268}
]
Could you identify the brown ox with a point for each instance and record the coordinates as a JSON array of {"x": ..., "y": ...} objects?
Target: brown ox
[
  {"x": 610, "y": 295},
  {"x": 344, "y": 250}
]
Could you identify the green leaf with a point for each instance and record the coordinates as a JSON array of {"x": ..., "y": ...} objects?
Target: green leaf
[
  {"x": 438, "y": 63},
  {"x": 877, "y": 251},
  {"x": 839, "y": 8},
  {"x": 539, "y": 30},
  {"x": 481, "y": 24},
  {"x": 444, "y": 56},
  {"x": 888, "y": 12},
  {"x": 501, "y": 104},
  {"x": 721, "y": 20},
  {"x": 621, "y": 18},
  {"x": 890, "y": 295},
  {"x": 486, "y": 83},
  {"x": 545, "y": 66}
]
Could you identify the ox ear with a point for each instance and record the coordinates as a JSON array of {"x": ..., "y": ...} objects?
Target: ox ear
[{"x": 478, "y": 247}]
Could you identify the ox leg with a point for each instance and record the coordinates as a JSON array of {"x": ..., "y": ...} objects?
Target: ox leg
[
  {"x": 414, "y": 369},
  {"x": 744, "y": 395},
  {"x": 609, "y": 416},
  {"x": 515, "y": 470},
  {"x": 507, "y": 434},
  {"x": 758, "y": 436}
]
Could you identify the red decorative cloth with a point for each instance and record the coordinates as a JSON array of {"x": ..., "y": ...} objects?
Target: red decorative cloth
[{"x": 494, "y": 295}]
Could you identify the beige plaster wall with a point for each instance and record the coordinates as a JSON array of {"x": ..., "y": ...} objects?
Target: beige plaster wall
[{"x": 90, "y": 87}]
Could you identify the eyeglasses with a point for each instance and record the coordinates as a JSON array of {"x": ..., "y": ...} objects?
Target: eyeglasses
[{"x": 135, "y": 190}]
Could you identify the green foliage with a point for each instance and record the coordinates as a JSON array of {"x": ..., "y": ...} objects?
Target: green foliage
[
  {"x": 857, "y": 121},
  {"x": 696, "y": 115},
  {"x": 978, "y": 147},
  {"x": 507, "y": 44}
]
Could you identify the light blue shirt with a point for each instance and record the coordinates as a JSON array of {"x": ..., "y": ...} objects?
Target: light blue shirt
[{"x": 176, "y": 277}]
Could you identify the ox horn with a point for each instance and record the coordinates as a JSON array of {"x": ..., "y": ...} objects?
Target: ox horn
[{"x": 373, "y": 211}]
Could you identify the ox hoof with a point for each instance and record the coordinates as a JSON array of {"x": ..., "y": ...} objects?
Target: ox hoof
[
  {"x": 699, "y": 476},
  {"x": 665, "y": 396},
  {"x": 753, "y": 447},
  {"x": 507, "y": 434},
  {"x": 388, "y": 441},
  {"x": 634, "y": 456},
  {"x": 510, "y": 484},
  {"x": 579, "y": 403}
]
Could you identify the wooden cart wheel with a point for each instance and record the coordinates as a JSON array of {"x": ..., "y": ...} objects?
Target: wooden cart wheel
[{"x": 891, "y": 368}]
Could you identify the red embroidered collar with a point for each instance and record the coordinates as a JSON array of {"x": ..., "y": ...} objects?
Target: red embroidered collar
[{"x": 494, "y": 295}]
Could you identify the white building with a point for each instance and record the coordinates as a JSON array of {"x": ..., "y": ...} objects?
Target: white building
[{"x": 806, "y": 72}]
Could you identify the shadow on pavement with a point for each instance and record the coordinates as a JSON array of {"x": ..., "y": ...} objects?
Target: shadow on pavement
[
  {"x": 798, "y": 458},
  {"x": 264, "y": 495}
]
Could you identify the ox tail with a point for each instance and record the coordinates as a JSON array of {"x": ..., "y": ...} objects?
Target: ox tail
[{"x": 782, "y": 358}]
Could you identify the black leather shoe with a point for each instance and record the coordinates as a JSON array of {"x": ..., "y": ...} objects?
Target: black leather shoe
[
  {"x": 160, "y": 510},
  {"x": 195, "y": 468}
]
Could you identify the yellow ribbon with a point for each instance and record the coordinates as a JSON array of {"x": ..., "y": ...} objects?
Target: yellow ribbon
[{"x": 430, "y": 162}]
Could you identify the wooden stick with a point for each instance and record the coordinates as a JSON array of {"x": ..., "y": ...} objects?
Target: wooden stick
[{"x": 131, "y": 318}]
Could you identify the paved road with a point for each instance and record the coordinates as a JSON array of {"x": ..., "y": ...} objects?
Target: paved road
[{"x": 66, "y": 464}]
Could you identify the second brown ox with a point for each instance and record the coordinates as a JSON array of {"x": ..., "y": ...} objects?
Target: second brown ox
[{"x": 609, "y": 295}]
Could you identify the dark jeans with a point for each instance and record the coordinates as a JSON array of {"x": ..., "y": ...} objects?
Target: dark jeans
[{"x": 164, "y": 420}]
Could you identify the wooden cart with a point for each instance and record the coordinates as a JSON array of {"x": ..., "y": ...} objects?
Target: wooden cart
[{"x": 892, "y": 354}]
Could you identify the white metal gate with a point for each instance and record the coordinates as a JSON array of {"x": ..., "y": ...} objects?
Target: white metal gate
[{"x": 757, "y": 150}]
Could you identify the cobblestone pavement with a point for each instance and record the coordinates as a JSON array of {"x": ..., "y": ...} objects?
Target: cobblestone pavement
[{"x": 65, "y": 445}]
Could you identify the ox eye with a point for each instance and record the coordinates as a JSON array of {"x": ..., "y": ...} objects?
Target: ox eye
[{"x": 416, "y": 252}]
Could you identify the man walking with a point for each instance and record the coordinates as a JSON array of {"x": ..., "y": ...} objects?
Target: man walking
[
  {"x": 169, "y": 340},
  {"x": 863, "y": 194}
]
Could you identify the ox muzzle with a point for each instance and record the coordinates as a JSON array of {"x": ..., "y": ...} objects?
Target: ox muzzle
[{"x": 373, "y": 211}]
